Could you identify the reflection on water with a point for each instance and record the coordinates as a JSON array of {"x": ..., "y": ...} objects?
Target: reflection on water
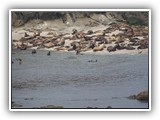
[{"x": 69, "y": 80}]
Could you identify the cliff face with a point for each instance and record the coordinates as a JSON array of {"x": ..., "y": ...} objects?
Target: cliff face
[{"x": 140, "y": 18}]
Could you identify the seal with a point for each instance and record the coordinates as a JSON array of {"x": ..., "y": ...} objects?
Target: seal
[
  {"x": 20, "y": 61},
  {"x": 26, "y": 35},
  {"x": 34, "y": 51},
  {"x": 98, "y": 48},
  {"x": 49, "y": 53},
  {"x": 111, "y": 48}
]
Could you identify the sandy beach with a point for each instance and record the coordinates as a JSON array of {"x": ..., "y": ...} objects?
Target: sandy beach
[{"x": 101, "y": 35}]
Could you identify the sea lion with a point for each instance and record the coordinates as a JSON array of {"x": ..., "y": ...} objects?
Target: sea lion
[
  {"x": 111, "y": 48},
  {"x": 22, "y": 47},
  {"x": 142, "y": 47},
  {"x": 61, "y": 42},
  {"x": 77, "y": 52},
  {"x": 139, "y": 52},
  {"x": 93, "y": 60},
  {"x": 98, "y": 48},
  {"x": 34, "y": 51},
  {"x": 129, "y": 47},
  {"x": 26, "y": 35},
  {"x": 74, "y": 31},
  {"x": 61, "y": 48},
  {"x": 119, "y": 47},
  {"x": 49, "y": 53},
  {"x": 20, "y": 61},
  {"x": 36, "y": 34},
  {"x": 49, "y": 45}
]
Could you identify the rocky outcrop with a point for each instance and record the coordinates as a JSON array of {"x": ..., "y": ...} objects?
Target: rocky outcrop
[
  {"x": 144, "y": 95},
  {"x": 20, "y": 18}
]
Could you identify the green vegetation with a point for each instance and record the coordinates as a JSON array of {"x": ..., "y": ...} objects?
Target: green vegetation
[{"x": 136, "y": 21}]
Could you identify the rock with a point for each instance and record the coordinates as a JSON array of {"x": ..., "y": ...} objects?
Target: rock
[
  {"x": 51, "y": 107},
  {"x": 15, "y": 105},
  {"x": 91, "y": 107},
  {"x": 54, "y": 107},
  {"x": 132, "y": 97},
  {"x": 109, "y": 107},
  {"x": 143, "y": 96},
  {"x": 140, "y": 96}
]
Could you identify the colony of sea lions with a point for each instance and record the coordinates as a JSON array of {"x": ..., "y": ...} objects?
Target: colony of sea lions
[{"x": 115, "y": 36}]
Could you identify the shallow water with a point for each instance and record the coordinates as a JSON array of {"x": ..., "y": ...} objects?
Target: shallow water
[{"x": 69, "y": 80}]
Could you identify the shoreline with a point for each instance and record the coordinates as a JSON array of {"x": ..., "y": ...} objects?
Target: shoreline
[{"x": 104, "y": 52}]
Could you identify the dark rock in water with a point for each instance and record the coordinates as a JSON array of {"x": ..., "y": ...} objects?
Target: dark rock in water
[
  {"x": 141, "y": 96},
  {"x": 89, "y": 107},
  {"x": 109, "y": 107},
  {"x": 52, "y": 107},
  {"x": 132, "y": 97},
  {"x": 28, "y": 99},
  {"x": 15, "y": 105},
  {"x": 92, "y": 60},
  {"x": 92, "y": 107}
]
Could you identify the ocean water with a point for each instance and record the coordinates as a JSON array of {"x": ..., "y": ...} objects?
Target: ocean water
[{"x": 69, "y": 80}]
